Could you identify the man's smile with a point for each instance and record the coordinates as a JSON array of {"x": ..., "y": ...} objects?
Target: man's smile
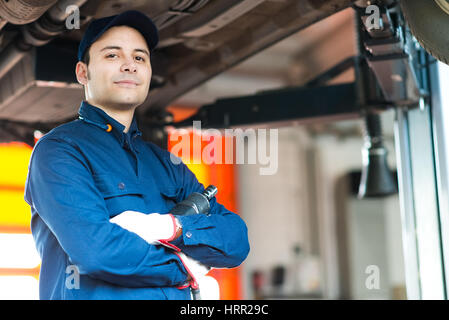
[{"x": 127, "y": 84}]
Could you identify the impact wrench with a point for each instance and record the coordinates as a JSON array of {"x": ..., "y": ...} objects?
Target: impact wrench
[{"x": 195, "y": 203}]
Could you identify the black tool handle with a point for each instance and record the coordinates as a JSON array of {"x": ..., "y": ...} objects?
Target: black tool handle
[{"x": 195, "y": 203}]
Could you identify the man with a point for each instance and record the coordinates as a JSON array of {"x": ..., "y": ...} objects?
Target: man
[{"x": 100, "y": 196}]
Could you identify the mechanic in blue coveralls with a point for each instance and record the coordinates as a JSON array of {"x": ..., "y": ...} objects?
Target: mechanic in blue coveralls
[{"x": 100, "y": 196}]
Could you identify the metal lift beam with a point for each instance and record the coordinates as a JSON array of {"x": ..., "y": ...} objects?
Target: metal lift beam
[{"x": 327, "y": 103}]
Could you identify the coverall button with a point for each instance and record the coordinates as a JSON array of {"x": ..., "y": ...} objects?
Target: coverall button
[
  {"x": 121, "y": 186},
  {"x": 188, "y": 234}
]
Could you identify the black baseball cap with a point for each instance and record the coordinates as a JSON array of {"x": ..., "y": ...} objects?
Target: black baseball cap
[{"x": 131, "y": 18}]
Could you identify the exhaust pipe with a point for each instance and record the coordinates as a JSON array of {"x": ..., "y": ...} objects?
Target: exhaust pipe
[
  {"x": 35, "y": 34},
  {"x": 24, "y": 11}
]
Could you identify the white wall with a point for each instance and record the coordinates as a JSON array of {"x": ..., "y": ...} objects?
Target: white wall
[
  {"x": 285, "y": 209},
  {"x": 275, "y": 207}
]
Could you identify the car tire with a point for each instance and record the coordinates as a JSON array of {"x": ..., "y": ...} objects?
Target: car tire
[{"x": 429, "y": 23}]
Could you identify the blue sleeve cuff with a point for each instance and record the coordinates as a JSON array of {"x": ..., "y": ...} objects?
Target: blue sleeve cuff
[{"x": 190, "y": 234}]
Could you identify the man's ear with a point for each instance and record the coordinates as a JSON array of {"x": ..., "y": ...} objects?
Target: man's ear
[{"x": 81, "y": 73}]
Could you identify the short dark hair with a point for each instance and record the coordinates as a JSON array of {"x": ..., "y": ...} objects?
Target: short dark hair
[
  {"x": 86, "y": 60},
  {"x": 86, "y": 57}
]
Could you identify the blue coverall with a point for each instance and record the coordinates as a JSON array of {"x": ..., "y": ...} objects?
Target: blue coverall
[{"x": 81, "y": 174}]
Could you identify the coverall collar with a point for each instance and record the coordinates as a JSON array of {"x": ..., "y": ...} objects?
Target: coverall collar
[{"x": 96, "y": 116}]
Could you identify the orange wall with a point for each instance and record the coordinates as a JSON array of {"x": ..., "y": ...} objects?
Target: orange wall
[
  {"x": 15, "y": 214},
  {"x": 224, "y": 177}
]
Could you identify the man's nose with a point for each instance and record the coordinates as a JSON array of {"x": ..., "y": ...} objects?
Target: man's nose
[{"x": 129, "y": 66}]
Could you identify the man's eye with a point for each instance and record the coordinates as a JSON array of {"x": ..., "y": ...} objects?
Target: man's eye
[
  {"x": 111, "y": 55},
  {"x": 140, "y": 58}
]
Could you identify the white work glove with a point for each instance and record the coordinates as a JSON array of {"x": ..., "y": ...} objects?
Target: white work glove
[
  {"x": 154, "y": 228},
  {"x": 195, "y": 269},
  {"x": 160, "y": 229}
]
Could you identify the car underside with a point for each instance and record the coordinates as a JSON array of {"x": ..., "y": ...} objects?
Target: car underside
[{"x": 199, "y": 39}]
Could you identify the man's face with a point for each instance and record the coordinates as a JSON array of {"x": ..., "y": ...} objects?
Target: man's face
[{"x": 119, "y": 72}]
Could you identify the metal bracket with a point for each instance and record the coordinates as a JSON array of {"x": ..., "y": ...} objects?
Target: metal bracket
[{"x": 391, "y": 54}]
